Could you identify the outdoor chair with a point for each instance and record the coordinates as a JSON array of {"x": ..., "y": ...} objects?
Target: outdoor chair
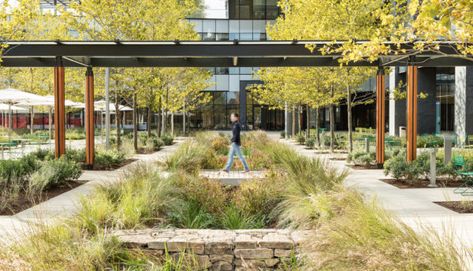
[{"x": 466, "y": 189}]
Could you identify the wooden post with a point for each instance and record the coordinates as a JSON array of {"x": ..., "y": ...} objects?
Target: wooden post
[
  {"x": 89, "y": 118},
  {"x": 59, "y": 109},
  {"x": 411, "y": 113},
  {"x": 380, "y": 116}
]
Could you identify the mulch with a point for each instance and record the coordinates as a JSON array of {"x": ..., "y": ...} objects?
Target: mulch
[
  {"x": 113, "y": 167},
  {"x": 363, "y": 166},
  {"x": 402, "y": 184},
  {"x": 24, "y": 202},
  {"x": 462, "y": 207}
]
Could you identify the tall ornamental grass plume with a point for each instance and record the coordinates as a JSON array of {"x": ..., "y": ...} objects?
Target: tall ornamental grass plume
[
  {"x": 140, "y": 199},
  {"x": 360, "y": 235},
  {"x": 59, "y": 247},
  {"x": 192, "y": 156}
]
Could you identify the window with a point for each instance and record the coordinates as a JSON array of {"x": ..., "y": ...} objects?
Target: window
[
  {"x": 233, "y": 97},
  {"x": 221, "y": 70},
  {"x": 259, "y": 7},
  {"x": 208, "y": 36},
  {"x": 272, "y": 9},
  {"x": 246, "y": 7},
  {"x": 221, "y": 36}
]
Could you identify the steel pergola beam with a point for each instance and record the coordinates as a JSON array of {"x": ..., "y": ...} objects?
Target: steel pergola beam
[{"x": 209, "y": 54}]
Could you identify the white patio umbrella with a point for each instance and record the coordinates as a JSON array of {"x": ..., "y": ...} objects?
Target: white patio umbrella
[
  {"x": 49, "y": 101},
  {"x": 11, "y": 96},
  {"x": 100, "y": 106}
]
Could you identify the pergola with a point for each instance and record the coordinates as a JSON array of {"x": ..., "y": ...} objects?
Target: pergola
[{"x": 89, "y": 54}]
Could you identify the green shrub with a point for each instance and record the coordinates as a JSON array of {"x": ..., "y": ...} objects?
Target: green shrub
[
  {"x": 43, "y": 154},
  {"x": 76, "y": 155},
  {"x": 167, "y": 139},
  {"x": 399, "y": 168},
  {"x": 75, "y": 134},
  {"x": 18, "y": 170},
  {"x": 418, "y": 169},
  {"x": 429, "y": 141},
  {"x": 108, "y": 159},
  {"x": 150, "y": 143},
  {"x": 310, "y": 142},
  {"x": 362, "y": 158},
  {"x": 54, "y": 173},
  {"x": 300, "y": 138}
]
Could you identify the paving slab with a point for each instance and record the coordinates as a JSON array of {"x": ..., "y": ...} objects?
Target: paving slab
[{"x": 232, "y": 177}]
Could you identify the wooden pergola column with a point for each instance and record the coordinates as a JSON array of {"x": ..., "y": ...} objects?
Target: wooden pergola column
[
  {"x": 411, "y": 113},
  {"x": 380, "y": 116},
  {"x": 89, "y": 118},
  {"x": 59, "y": 109}
]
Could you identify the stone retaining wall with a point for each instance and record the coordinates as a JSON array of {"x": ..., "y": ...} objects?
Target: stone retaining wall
[{"x": 264, "y": 249}]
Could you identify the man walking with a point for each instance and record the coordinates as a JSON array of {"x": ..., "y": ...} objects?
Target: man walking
[{"x": 236, "y": 143}]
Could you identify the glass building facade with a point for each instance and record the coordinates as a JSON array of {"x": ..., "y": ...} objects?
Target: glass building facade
[{"x": 246, "y": 20}]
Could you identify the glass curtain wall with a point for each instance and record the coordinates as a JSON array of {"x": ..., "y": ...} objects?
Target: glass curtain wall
[{"x": 445, "y": 84}]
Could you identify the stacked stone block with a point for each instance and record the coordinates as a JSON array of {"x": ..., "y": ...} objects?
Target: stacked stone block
[{"x": 224, "y": 250}]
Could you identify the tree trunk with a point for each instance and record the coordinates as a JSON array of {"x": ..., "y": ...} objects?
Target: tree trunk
[
  {"x": 135, "y": 123},
  {"x": 163, "y": 122},
  {"x": 32, "y": 120},
  {"x": 150, "y": 119},
  {"x": 317, "y": 128},
  {"x": 158, "y": 119},
  {"x": 118, "y": 120},
  {"x": 332, "y": 121},
  {"x": 349, "y": 120},
  {"x": 293, "y": 132},
  {"x": 184, "y": 120},
  {"x": 299, "y": 119},
  {"x": 286, "y": 119},
  {"x": 50, "y": 122},
  {"x": 307, "y": 108},
  {"x": 172, "y": 123}
]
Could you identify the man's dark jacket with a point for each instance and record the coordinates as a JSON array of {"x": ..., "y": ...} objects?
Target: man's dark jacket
[{"x": 236, "y": 133}]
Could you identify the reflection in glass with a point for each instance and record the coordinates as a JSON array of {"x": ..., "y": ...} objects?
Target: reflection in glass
[{"x": 233, "y": 97}]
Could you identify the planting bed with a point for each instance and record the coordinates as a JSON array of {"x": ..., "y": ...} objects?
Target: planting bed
[
  {"x": 403, "y": 184},
  {"x": 25, "y": 202},
  {"x": 463, "y": 207}
]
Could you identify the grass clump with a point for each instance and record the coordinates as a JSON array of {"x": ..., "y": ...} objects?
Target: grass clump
[
  {"x": 192, "y": 156},
  {"x": 140, "y": 200},
  {"x": 360, "y": 235}
]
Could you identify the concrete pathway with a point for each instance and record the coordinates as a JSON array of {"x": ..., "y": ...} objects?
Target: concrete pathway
[
  {"x": 415, "y": 207},
  {"x": 67, "y": 204}
]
